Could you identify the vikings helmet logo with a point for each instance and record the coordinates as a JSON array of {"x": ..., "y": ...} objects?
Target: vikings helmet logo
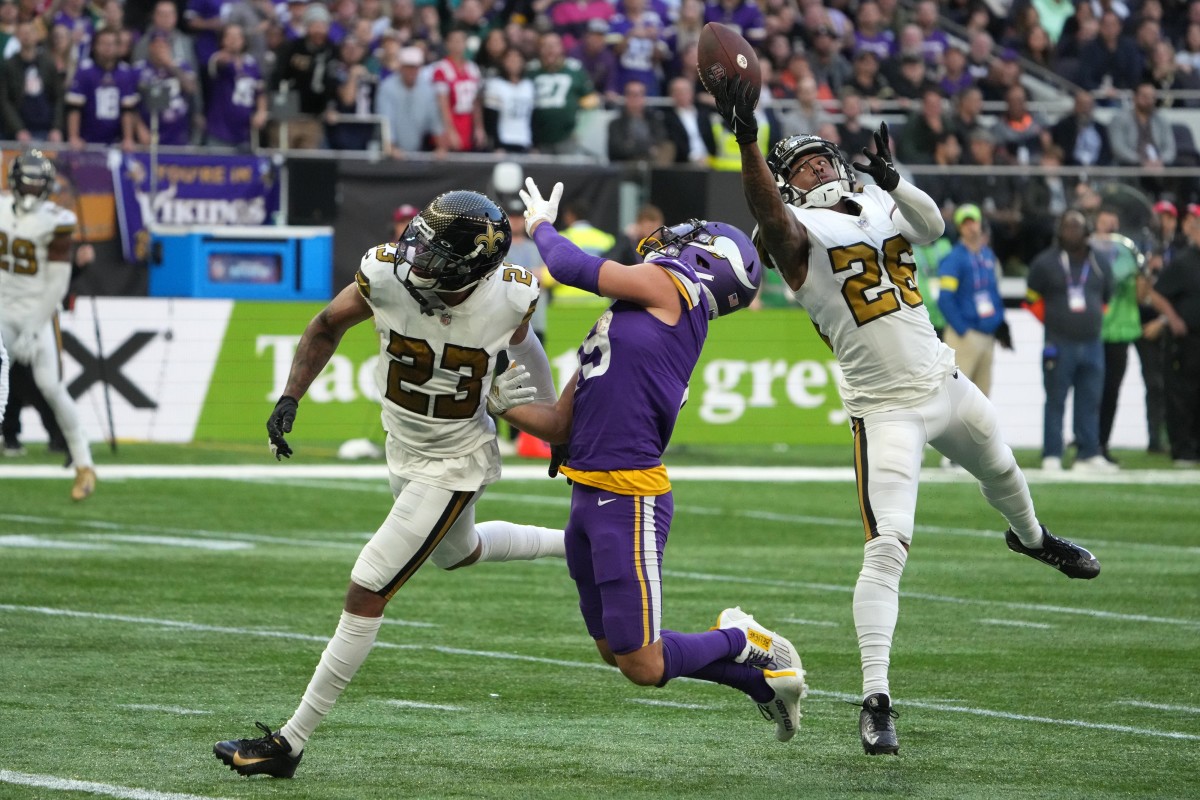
[{"x": 491, "y": 240}]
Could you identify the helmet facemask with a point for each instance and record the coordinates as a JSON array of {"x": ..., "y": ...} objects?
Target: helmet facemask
[
  {"x": 723, "y": 258},
  {"x": 31, "y": 180},
  {"x": 793, "y": 154},
  {"x": 452, "y": 245}
]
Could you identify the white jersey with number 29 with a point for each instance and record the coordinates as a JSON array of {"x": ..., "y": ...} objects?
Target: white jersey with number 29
[{"x": 861, "y": 292}]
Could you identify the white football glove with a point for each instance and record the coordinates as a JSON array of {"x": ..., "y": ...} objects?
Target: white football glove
[
  {"x": 507, "y": 392},
  {"x": 537, "y": 208},
  {"x": 24, "y": 347}
]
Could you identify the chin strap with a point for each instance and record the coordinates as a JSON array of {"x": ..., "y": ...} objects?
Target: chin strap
[{"x": 428, "y": 306}]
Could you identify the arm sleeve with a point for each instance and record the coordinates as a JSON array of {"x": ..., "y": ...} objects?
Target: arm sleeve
[
  {"x": 532, "y": 356},
  {"x": 566, "y": 262},
  {"x": 920, "y": 219}
]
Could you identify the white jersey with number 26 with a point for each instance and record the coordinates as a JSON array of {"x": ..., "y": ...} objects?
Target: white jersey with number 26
[{"x": 861, "y": 292}]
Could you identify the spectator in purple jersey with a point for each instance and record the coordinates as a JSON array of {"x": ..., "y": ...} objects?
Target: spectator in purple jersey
[
  {"x": 871, "y": 33},
  {"x": 74, "y": 17},
  {"x": 595, "y": 55},
  {"x": 743, "y": 16},
  {"x": 616, "y": 416},
  {"x": 933, "y": 41},
  {"x": 32, "y": 104},
  {"x": 165, "y": 22},
  {"x": 160, "y": 72},
  {"x": 345, "y": 15},
  {"x": 237, "y": 105},
  {"x": 955, "y": 77},
  {"x": 103, "y": 98},
  {"x": 203, "y": 18},
  {"x": 637, "y": 33}
]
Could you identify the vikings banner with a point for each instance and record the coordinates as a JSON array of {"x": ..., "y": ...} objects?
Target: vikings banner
[{"x": 200, "y": 190}]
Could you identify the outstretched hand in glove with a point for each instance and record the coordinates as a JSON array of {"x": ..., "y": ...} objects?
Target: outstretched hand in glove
[
  {"x": 880, "y": 164},
  {"x": 736, "y": 101}
]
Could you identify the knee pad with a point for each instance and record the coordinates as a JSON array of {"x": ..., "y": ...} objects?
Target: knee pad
[{"x": 883, "y": 561}]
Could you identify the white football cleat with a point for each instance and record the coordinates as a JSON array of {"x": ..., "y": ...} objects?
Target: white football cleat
[
  {"x": 784, "y": 709},
  {"x": 764, "y": 649}
]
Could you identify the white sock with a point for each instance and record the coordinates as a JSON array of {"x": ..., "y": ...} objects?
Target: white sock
[
  {"x": 507, "y": 541},
  {"x": 1008, "y": 493},
  {"x": 876, "y": 607},
  {"x": 343, "y": 656}
]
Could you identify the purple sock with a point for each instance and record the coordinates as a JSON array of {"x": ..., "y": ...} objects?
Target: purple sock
[
  {"x": 685, "y": 653},
  {"x": 739, "y": 676}
]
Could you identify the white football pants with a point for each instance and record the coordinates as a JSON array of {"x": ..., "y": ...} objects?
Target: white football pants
[{"x": 48, "y": 375}]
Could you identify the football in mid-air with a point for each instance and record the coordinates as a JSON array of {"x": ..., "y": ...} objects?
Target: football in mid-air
[{"x": 722, "y": 53}]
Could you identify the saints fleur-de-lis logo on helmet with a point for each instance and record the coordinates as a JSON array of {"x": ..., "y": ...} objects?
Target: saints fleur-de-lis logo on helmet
[{"x": 490, "y": 240}]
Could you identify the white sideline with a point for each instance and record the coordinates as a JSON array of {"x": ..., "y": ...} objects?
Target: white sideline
[
  {"x": 108, "y": 790},
  {"x": 521, "y": 472},
  {"x": 1016, "y": 623},
  {"x": 580, "y": 665}
]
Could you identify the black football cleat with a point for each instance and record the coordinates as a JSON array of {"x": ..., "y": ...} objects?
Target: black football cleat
[
  {"x": 266, "y": 755},
  {"x": 875, "y": 725},
  {"x": 1067, "y": 557}
]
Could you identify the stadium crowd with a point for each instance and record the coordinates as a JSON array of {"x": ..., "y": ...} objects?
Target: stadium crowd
[{"x": 512, "y": 75}]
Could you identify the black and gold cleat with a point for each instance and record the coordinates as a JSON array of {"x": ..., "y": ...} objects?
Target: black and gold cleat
[{"x": 266, "y": 755}]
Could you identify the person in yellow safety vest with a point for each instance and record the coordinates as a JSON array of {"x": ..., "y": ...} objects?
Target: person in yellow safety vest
[
  {"x": 729, "y": 156},
  {"x": 588, "y": 238}
]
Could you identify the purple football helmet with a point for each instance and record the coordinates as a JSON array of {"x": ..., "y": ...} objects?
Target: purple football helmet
[{"x": 724, "y": 259}]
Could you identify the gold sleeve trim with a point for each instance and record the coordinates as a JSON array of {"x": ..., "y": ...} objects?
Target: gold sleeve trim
[{"x": 364, "y": 285}]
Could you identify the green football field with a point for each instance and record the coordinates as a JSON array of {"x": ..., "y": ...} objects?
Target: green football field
[{"x": 175, "y": 608}]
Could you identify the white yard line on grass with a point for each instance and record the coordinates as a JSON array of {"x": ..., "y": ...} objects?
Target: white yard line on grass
[
  {"x": 985, "y": 712},
  {"x": 57, "y": 784},
  {"x": 577, "y": 665},
  {"x": 1159, "y": 706},
  {"x": 38, "y": 541},
  {"x": 645, "y": 701},
  {"x": 172, "y": 541},
  {"x": 165, "y": 709},
  {"x": 820, "y": 623},
  {"x": 937, "y": 598},
  {"x": 242, "y": 472},
  {"x": 1015, "y": 623},
  {"x": 430, "y": 706}
]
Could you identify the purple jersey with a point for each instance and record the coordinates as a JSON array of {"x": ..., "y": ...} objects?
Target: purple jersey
[
  {"x": 882, "y": 44},
  {"x": 747, "y": 19},
  {"x": 206, "y": 42},
  {"x": 101, "y": 96},
  {"x": 233, "y": 100},
  {"x": 638, "y": 62},
  {"x": 174, "y": 122},
  {"x": 83, "y": 25},
  {"x": 633, "y": 378}
]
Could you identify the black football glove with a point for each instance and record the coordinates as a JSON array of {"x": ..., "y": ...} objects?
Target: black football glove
[
  {"x": 880, "y": 164},
  {"x": 279, "y": 423},
  {"x": 1004, "y": 336},
  {"x": 736, "y": 100},
  {"x": 559, "y": 453}
]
